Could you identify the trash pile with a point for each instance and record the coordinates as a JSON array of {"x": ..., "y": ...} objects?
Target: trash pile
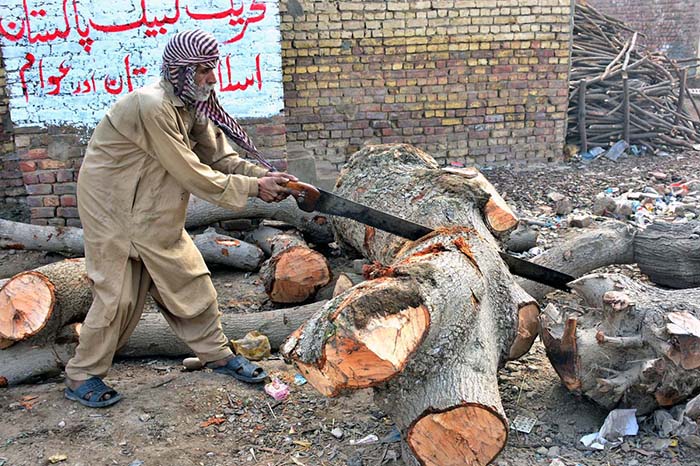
[
  {"x": 671, "y": 200},
  {"x": 618, "y": 92}
]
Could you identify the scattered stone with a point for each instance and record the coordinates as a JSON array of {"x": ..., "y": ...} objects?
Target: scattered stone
[
  {"x": 581, "y": 221},
  {"x": 603, "y": 205},
  {"x": 553, "y": 452},
  {"x": 337, "y": 433},
  {"x": 522, "y": 239},
  {"x": 542, "y": 451},
  {"x": 562, "y": 204}
]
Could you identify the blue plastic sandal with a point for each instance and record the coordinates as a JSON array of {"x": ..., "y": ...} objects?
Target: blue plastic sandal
[
  {"x": 92, "y": 392},
  {"x": 243, "y": 370}
]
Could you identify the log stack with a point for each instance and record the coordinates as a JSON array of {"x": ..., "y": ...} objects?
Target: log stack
[
  {"x": 438, "y": 319},
  {"x": 617, "y": 91}
]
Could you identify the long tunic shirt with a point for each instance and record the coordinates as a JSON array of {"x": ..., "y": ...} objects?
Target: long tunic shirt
[{"x": 144, "y": 159}]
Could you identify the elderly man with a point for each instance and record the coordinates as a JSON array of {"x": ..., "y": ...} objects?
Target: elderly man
[{"x": 152, "y": 149}]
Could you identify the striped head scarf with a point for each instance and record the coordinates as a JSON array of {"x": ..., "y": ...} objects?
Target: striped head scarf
[{"x": 183, "y": 53}]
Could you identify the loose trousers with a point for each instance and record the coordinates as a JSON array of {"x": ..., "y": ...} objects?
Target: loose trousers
[{"x": 93, "y": 356}]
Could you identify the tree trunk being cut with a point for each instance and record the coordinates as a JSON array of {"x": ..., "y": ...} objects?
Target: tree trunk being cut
[
  {"x": 639, "y": 346},
  {"x": 294, "y": 272},
  {"x": 216, "y": 249},
  {"x": 439, "y": 317}
]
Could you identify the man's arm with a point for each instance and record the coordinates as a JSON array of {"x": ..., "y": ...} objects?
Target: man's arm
[
  {"x": 162, "y": 138},
  {"x": 212, "y": 148}
]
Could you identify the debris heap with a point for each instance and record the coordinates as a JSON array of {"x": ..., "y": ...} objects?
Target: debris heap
[{"x": 619, "y": 92}]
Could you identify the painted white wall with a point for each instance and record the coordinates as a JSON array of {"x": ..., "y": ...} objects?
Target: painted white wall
[{"x": 72, "y": 52}]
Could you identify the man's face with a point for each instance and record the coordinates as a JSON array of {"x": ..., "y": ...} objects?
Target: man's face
[{"x": 205, "y": 80}]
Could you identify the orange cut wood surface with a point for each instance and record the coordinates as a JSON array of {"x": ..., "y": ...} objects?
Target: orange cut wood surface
[
  {"x": 299, "y": 272},
  {"x": 470, "y": 435},
  {"x": 26, "y": 303},
  {"x": 363, "y": 357},
  {"x": 500, "y": 217}
]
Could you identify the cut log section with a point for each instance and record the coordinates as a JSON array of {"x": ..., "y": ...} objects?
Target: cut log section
[
  {"x": 224, "y": 250},
  {"x": 638, "y": 347},
  {"x": 294, "y": 271},
  {"x": 216, "y": 249},
  {"x": 314, "y": 226},
  {"x": 26, "y": 304},
  {"x": 439, "y": 317}
]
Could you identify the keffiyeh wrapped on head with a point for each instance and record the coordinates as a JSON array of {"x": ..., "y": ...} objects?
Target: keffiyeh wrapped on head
[{"x": 183, "y": 53}]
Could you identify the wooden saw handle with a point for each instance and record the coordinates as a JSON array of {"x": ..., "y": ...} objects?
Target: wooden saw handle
[{"x": 305, "y": 194}]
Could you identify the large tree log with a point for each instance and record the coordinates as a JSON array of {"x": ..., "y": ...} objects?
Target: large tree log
[
  {"x": 431, "y": 329},
  {"x": 668, "y": 253},
  {"x": 294, "y": 272},
  {"x": 314, "y": 226},
  {"x": 44, "y": 350},
  {"x": 216, "y": 249},
  {"x": 638, "y": 347}
]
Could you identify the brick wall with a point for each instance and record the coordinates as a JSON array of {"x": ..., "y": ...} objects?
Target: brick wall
[
  {"x": 11, "y": 184},
  {"x": 671, "y": 26},
  {"x": 468, "y": 81}
]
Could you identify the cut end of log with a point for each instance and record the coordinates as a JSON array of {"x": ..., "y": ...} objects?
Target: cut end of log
[
  {"x": 528, "y": 327},
  {"x": 363, "y": 357},
  {"x": 499, "y": 216},
  {"x": 26, "y": 303},
  {"x": 299, "y": 273},
  {"x": 465, "y": 435}
]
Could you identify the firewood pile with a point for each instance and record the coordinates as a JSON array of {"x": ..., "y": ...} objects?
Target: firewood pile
[{"x": 618, "y": 91}]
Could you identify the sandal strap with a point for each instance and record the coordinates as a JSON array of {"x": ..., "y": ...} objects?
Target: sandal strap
[
  {"x": 96, "y": 386},
  {"x": 244, "y": 367}
]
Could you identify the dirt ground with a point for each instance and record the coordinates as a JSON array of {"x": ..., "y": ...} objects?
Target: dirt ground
[{"x": 171, "y": 417}]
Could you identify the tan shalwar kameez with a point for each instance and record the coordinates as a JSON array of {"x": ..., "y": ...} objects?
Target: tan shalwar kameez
[{"x": 144, "y": 159}]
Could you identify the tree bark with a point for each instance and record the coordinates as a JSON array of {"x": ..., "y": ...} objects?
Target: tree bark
[
  {"x": 314, "y": 226},
  {"x": 216, "y": 249},
  {"x": 638, "y": 347},
  {"x": 669, "y": 253},
  {"x": 439, "y": 317},
  {"x": 294, "y": 272}
]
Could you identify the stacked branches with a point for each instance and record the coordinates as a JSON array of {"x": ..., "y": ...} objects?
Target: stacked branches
[{"x": 619, "y": 92}]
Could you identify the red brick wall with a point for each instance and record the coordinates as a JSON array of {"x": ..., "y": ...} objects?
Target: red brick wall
[
  {"x": 672, "y": 26},
  {"x": 468, "y": 81}
]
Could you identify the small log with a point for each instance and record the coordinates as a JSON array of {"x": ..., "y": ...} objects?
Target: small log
[
  {"x": 294, "y": 272},
  {"x": 216, "y": 249},
  {"x": 314, "y": 226},
  {"x": 346, "y": 281},
  {"x": 225, "y": 250},
  {"x": 26, "y": 304},
  {"x": 35, "y": 305},
  {"x": 638, "y": 347}
]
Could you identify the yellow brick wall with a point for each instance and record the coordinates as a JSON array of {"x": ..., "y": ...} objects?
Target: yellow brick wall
[{"x": 468, "y": 81}]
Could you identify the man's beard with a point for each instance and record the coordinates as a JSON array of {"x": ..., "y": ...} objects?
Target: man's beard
[{"x": 202, "y": 92}]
